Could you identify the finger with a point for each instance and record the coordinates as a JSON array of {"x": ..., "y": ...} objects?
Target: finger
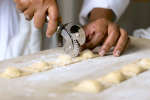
[
  {"x": 125, "y": 47},
  {"x": 89, "y": 29},
  {"x": 113, "y": 34},
  {"x": 122, "y": 42},
  {"x": 96, "y": 40},
  {"x": 53, "y": 19},
  {"x": 86, "y": 30},
  {"x": 39, "y": 18},
  {"x": 89, "y": 32},
  {"x": 127, "y": 44},
  {"x": 22, "y": 4},
  {"x": 29, "y": 13}
]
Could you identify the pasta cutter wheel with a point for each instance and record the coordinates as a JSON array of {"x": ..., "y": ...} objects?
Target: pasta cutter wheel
[{"x": 74, "y": 37}]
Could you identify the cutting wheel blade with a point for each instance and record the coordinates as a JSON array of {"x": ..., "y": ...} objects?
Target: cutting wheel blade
[
  {"x": 78, "y": 33},
  {"x": 68, "y": 43},
  {"x": 74, "y": 37},
  {"x": 76, "y": 49},
  {"x": 81, "y": 36}
]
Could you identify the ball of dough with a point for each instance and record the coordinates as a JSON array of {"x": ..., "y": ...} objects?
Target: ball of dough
[
  {"x": 87, "y": 54},
  {"x": 64, "y": 60},
  {"x": 89, "y": 86},
  {"x": 131, "y": 70},
  {"x": 11, "y": 72},
  {"x": 39, "y": 67},
  {"x": 145, "y": 63},
  {"x": 111, "y": 79}
]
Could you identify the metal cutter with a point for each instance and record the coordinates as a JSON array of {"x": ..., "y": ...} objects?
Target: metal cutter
[{"x": 74, "y": 37}]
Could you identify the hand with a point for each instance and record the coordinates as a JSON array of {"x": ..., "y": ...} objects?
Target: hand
[
  {"x": 39, "y": 9},
  {"x": 106, "y": 33}
]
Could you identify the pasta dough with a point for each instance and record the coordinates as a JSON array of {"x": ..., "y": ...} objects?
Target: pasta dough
[
  {"x": 41, "y": 66},
  {"x": 145, "y": 63},
  {"x": 131, "y": 70},
  {"x": 77, "y": 59},
  {"x": 64, "y": 60},
  {"x": 11, "y": 72},
  {"x": 112, "y": 78},
  {"x": 116, "y": 77},
  {"x": 38, "y": 67},
  {"x": 87, "y": 54},
  {"x": 89, "y": 86}
]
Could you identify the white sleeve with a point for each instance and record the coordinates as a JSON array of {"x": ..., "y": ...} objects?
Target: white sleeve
[{"x": 117, "y": 6}]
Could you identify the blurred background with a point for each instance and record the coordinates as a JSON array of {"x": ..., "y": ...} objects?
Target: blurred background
[{"x": 136, "y": 16}]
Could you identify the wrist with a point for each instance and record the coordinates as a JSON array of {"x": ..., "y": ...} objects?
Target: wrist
[{"x": 101, "y": 13}]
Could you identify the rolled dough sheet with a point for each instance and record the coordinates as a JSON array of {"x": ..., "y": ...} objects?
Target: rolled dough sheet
[
  {"x": 42, "y": 66},
  {"x": 55, "y": 84}
]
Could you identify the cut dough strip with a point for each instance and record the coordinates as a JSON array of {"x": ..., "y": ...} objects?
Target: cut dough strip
[
  {"x": 38, "y": 67},
  {"x": 13, "y": 72},
  {"x": 145, "y": 63},
  {"x": 64, "y": 60},
  {"x": 131, "y": 70},
  {"x": 113, "y": 78},
  {"x": 41, "y": 66}
]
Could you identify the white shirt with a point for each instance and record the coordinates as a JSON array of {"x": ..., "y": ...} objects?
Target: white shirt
[
  {"x": 17, "y": 36},
  {"x": 117, "y": 6}
]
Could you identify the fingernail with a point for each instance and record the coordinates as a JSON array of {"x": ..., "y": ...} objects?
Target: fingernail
[
  {"x": 102, "y": 53},
  {"x": 117, "y": 53}
]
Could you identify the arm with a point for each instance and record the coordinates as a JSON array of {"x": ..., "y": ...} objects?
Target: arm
[
  {"x": 117, "y": 6},
  {"x": 101, "y": 29},
  {"x": 97, "y": 13}
]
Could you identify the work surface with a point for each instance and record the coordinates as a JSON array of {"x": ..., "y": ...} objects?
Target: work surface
[{"x": 56, "y": 84}]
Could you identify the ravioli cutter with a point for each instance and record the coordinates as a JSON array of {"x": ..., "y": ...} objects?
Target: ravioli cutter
[{"x": 74, "y": 37}]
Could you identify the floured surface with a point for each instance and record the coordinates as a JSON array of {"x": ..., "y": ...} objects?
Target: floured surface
[{"x": 56, "y": 83}]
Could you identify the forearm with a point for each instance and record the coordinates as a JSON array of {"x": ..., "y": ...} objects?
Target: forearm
[
  {"x": 117, "y": 7},
  {"x": 97, "y": 13}
]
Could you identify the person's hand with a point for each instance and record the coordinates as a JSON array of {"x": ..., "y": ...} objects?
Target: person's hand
[
  {"x": 39, "y": 9},
  {"x": 106, "y": 33}
]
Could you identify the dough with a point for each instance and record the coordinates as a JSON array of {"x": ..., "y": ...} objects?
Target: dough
[
  {"x": 131, "y": 70},
  {"x": 87, "y": 54},
  {"x": 63, "y": 60},
  {"x": 89, "y": 86},
  {"x": 77, "y": 59},
  {"x": 112, "y": 78},
  {"x": 145, "y": 63},
  {"x": 11, "y": 72},
  {"x": 39, "y": 67}
]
